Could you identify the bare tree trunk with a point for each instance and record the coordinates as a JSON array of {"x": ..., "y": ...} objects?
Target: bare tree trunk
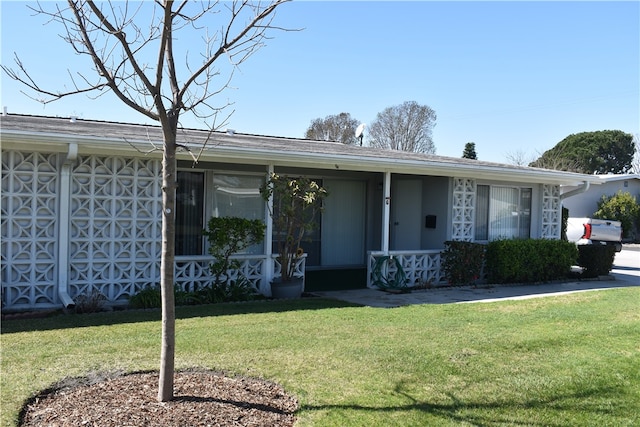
[{"x": 167, "y": 266}]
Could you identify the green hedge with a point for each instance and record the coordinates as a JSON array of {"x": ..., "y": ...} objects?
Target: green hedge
[
  {"x": 462, "y": 262},
  {"x": 597, "y": 260},
  {"x": 530, "y": 260}
]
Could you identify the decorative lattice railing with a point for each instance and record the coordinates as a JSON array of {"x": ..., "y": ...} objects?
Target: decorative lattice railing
[
  {"x": 193, "y": 272},
  {"x": 420, "y": 267}
]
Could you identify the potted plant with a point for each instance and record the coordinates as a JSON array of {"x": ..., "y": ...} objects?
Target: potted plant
[{"x": 296, "y": 202}]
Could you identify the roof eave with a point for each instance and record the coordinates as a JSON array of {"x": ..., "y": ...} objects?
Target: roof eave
[{"x": 58, "y": 142}]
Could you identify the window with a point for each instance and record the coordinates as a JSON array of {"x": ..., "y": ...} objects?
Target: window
[
  {"x": 189, "y": 213},
  {"x": 203, "y": 194},
  {"x": 239, "y": 196},
  {"x": 228, "y": 195},
  {"x": 502, "y": 212}
]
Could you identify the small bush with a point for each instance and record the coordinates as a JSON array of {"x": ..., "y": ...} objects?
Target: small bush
[
  {"x": 235, "y": 290},
  {"x": 530, "y": 260},
  {"x": 462, "y": 262},
  {"x": 92, "y": 303},
  {"x": 621, "y": 207},
  {"x": 565, "y": 223},
  {"x": 228, "y": 236},
  {"x": 149, "y": 297},
  {"x": 597, "y": 260}
]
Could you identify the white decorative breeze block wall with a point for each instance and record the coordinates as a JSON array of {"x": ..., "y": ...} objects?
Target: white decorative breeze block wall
[
  {"x": 29, "y": 229},
  {"x": 551, "y": 212},
  {"x": 464, "y": 200},
  {"x": 114, "y": 239},
  {"x": 115, "y": 226}
]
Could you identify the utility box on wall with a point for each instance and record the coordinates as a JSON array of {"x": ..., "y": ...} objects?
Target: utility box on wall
[{"x": 430, "y": 221}]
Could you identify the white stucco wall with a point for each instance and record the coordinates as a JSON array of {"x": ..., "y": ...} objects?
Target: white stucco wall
[{"x": 585, "y": 204}]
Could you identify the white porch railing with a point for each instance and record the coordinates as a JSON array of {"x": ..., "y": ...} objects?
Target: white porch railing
[
  {"x": 420, "y": 267},
  {"x": 192, "y": 272}
]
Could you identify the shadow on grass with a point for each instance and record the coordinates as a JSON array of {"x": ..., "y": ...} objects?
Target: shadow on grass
[
  {"x": 561, "y": 407},
  {"x": 61, "y": 320}
]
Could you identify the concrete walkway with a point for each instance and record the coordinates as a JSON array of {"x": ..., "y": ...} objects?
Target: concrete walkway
[{"x": 625, "y": 273}]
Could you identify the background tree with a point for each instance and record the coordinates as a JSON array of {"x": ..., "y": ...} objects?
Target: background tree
[
  {"x": 470, "y": 151},
  {"x": 622, "y": 207},
  {"x": 601, "y": 152},
  {"x": 557, "y": 160},
  {"x": 121, "y": 40},
  {"x": 519, "y": 158},
  {"x": 340, "y": 127},
  {"x": 405, "y": 127}
]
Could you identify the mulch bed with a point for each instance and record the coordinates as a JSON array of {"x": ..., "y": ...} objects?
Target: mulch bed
[{"x": 201, "y": 398}]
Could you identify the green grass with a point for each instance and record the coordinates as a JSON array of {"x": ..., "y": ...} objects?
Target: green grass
[{"x": 571, "y": 360}]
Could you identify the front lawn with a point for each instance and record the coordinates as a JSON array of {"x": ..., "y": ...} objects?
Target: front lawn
[{"x": 570, "y": 360}]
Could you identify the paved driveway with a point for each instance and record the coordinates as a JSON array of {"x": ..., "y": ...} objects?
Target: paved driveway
[{"x": 625, "y": 273}]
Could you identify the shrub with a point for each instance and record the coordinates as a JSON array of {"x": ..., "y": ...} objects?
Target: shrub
[
  {"x": 149, "y": 297},
  {"x": 530, "y": 260},
  {"x": 462, "y": 262},
  {"x": 597, "y": 260},
  {"x": 621, "y": 207},
  {"x": 234, "y": 290},
  {"x": 565, "y": 223},
  {"x": 91, "y": 303},
  {"x": 227, "y": 236}
]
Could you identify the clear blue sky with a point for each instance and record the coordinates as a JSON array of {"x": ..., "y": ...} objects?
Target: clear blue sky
[{"x": 509, "y": 76}]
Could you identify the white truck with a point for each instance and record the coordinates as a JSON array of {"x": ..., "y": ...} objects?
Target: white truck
[{"x": 591, "y": 231}]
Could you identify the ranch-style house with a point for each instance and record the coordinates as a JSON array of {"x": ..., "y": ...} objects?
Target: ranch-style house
[{"x": 81, "y": 207}]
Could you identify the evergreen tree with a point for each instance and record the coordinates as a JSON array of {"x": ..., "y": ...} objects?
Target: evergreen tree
[
  {"x": 600, "y": 152},
  {"x": 470, "y": 151}
]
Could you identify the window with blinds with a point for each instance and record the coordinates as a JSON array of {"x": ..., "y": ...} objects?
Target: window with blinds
[{"x": 502, "y": 213}]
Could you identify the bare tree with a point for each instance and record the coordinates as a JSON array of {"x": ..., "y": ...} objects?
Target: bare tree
[
  {"x": 405, "y": 127},
  {"x": 341, "y": 128},
  {"x": 519, "y": 158},
  {"x": 556, "y": 161},
  {"x": 120, "y": 38}
]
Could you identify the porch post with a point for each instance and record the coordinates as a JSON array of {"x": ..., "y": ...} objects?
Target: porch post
[
  {"x": 268, "y": 241},
  {"x": 386, "y": 209}
]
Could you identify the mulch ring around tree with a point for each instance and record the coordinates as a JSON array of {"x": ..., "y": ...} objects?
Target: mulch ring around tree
[{"x": 201, "y": 398}]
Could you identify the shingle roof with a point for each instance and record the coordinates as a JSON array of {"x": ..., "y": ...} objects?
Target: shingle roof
[{"x": 105, "y": 136}]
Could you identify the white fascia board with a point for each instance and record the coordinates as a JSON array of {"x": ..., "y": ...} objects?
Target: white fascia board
[
  {"x": 376, "y": 164},
  {"x": 56, "y": 142},
  {"x": 617, "y": 177}
]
